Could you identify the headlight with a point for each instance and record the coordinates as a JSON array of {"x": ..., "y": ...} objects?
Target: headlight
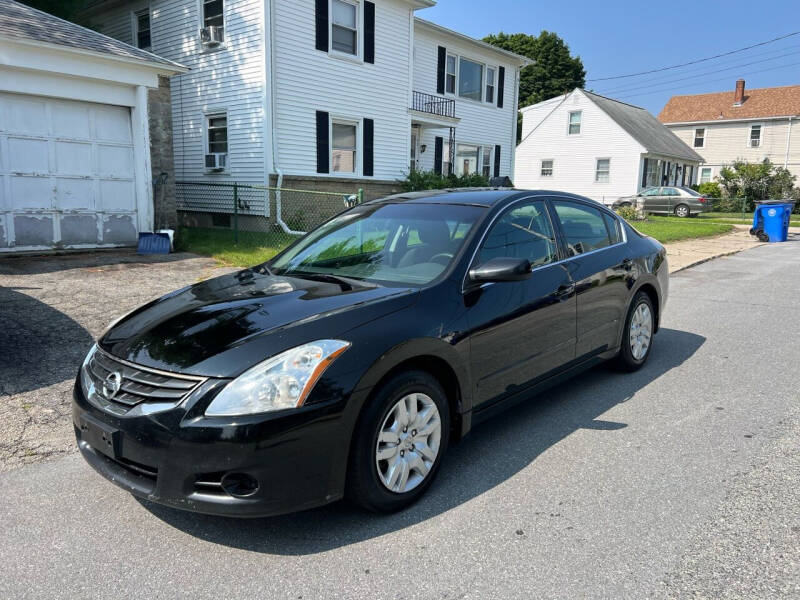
[
  {"x": 283, "y": 381},
  {"x": 86, "y": 381}
]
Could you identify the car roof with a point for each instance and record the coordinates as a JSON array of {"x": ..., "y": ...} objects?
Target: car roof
[{"x": 486, "y": 197}]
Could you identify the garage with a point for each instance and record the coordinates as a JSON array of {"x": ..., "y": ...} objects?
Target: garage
[
  {"x": 75, "y": 168},
  {"x": 67, "y": 173}
]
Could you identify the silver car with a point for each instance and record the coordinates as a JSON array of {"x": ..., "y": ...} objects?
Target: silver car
[{"x": 668, "y": 200}]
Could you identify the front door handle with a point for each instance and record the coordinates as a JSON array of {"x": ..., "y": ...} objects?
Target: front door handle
[
  {"x": 626, "y": 264},
  {"x": 565, "y": 291}
]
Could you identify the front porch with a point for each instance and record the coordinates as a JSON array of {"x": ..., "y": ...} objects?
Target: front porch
[{"x": 429, "y": 112}]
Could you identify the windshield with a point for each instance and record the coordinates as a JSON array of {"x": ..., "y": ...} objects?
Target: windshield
[{"x": 405, "y": 244}]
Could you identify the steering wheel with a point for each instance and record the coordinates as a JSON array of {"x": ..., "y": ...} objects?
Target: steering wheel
[{"x": 441, "y": 258}]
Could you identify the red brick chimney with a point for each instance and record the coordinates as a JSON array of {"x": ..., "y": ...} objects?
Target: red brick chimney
[{"x": 739, "y": 96}]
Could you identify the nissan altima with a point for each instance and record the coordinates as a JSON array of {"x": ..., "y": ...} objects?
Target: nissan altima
[{"x": 348, "y": 364}]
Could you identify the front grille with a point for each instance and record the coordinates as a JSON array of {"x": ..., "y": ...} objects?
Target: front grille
[{"x": 139, "y": 384}]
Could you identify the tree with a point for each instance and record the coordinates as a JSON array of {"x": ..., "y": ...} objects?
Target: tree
[
  {"x": 554, "y": 72},
  {"x": 757, "y": 181},
  {"x": 69, "y": 10}
]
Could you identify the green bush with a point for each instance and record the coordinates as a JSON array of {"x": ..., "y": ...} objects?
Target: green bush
[
  {"x": 709, "y": 189},
  {"x": 431, "y": 180},
  {"x": 627, "y": 212}
]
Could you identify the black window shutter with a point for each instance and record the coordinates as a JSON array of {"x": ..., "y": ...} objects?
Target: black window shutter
[
  {"x": 440, "y": 70},
  {"x": 437, "y": 155},
  {"x": 501, "y": 86},
  {"x": 497, "y": 160},
  {"x": 369, "y": 147},
  {"x": 369, "y": 32},
  {"x": 644, "y": 173},
  {"x": 323, "y": 143},
  {"x": 322, "y": 25}
]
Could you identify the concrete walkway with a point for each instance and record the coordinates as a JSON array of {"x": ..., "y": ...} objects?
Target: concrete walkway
[{"x": 687, "y": 253}]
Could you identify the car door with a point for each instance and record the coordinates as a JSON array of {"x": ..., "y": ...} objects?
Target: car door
[
  {"x": 654, "y": 201},
  {"x": 600, "y": 267},
  {"x": 673, "y": 198},
  {"x": 520, "y": 331}
]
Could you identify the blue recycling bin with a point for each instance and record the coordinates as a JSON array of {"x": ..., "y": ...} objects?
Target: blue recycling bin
[{"x": 771, "y": 220}]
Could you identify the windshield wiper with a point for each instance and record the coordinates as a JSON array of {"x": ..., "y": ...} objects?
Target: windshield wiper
[{"x": 341, "y": 281}]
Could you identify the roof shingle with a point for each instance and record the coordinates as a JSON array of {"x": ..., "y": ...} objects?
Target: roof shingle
[
  {"x": 758, "y": 103},
  {"x": 23, "y": 22}
]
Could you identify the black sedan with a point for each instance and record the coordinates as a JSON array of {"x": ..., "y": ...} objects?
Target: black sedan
[{"x": 347, "y": 364}]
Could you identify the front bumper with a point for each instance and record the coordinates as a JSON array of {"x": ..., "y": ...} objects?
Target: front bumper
[{"x": 179, "y": 459}]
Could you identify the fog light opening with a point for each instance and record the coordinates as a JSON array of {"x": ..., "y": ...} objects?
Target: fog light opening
[{"x": 239, "y": 485}]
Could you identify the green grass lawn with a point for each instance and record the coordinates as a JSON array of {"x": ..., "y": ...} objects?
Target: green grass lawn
[
  {"x": 253, "y": 248},
  {"x": 673, "y": 229},
  {"x": 794, "y": 221}
]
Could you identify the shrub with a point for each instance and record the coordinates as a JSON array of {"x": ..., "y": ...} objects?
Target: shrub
[
  {"x": 627, "y": 212},
  {"x": 431, "y": 180},
  {"x": 709, "y": 189}
]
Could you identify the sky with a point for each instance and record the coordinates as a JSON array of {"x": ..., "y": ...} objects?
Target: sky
[{"x": 618, "y": 38}]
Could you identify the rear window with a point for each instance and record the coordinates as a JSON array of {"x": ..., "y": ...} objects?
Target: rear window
[
  {"x": 690, "y": 191},
  {"x": 613, "y": 228},
  {"x": 583, "y": 227}
]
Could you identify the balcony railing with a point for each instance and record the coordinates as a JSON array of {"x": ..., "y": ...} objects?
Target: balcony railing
[{"x": 433, "y": 105}]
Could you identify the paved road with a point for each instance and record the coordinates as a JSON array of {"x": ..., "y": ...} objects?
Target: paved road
[{"x": 680, "y": 480}]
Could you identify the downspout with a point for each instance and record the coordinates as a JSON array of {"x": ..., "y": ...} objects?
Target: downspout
[
  {"x": 788, "y": 144},
  {"x": 270, "y": 30}
]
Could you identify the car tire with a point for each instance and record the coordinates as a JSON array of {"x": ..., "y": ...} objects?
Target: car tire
[
  {"x": 630, "y": 357},
  {"x": 367, "y": 476},
  {"x": 682, "y": 211}
]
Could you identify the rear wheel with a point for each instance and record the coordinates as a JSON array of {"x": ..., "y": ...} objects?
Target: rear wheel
[
  {"x": 399, "y": 443},
  {"x": 682, "y": 210},
  {"x": 637, "y": 337}
]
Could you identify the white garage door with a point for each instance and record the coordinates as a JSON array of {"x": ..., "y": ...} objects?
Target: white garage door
[{"x": 66, "y": 170}]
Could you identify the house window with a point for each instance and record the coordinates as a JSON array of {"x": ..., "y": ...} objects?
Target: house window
[
  {"x": 470, "y": 79},
  {"x": 547, "y": 168},
  {"x": 344, "y": 27},
  {"x": 343, "y": 148},
  {"x": 450, "y": 75},
  {"x": 755, "y": 136},
  {"x": 653, "y": 171},
  {"x": 213, "y": 15},
  {"x": 700, "y": 137},
  {"x": 466, "y": 159},
  {"x": 602, "y": 170},
  {"x": 217, "y": 134},
  {"x": 705, "y": 175},
  {"x": 486, "y": 161},
  {"x": 575, "y": 122},
  {"x": 490, "y": 85},
  {"x": 142, "y": 21},
  {"x": 447, "y": 168}
]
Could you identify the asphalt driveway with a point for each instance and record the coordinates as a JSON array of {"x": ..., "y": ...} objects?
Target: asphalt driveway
[
  {"x": 680, "y": 480},
  {"x": 51, "y": 309}
]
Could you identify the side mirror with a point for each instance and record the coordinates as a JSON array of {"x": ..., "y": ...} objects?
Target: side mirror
[{"x": 501, "y": 269}]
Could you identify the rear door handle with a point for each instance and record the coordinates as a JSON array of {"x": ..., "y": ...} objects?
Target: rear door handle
[{"x": 565, "y": 291}]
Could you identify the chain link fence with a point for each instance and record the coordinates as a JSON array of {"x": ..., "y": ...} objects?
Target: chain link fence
[{"x": 278, "y": 215}]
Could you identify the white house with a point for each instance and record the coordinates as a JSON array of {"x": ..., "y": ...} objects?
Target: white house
[
  {"x": 598, "y": 147},
  {"x": 329, "y": 94},
  {"x": 741, "y": 124},
  {"x": 75, "y": 169}
]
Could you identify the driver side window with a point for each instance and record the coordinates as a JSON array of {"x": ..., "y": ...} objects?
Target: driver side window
[{"x": 524, "y": 231}]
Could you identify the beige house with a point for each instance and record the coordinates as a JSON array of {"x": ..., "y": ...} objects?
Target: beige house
[{"x": 740, "y": 124}]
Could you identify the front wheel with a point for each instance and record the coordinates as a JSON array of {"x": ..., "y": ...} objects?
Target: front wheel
[
  {"x": 637, "y": 337},
  {"x": 399, "y": 443},
  {"x": 682, "y": 211}
]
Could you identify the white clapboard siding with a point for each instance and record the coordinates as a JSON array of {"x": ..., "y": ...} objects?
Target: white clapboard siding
[
  {"x": 228, "y": 79},
  {"x": 574, "y": 156},
  {"x": 308, "y": 80},
  {"x": 482, "y": 124}
]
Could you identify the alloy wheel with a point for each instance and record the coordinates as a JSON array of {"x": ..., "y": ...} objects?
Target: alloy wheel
[
  {"x": 408, "y": 442},
  {"x": 641, "y": 331}
]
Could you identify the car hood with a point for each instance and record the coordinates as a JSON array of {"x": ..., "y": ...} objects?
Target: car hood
[{"x": 223, "y": 326}]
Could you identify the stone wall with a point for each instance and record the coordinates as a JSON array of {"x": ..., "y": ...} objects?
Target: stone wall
[{"x": 161, "y": 155}]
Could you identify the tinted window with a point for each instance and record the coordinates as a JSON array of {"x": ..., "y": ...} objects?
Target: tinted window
[
  {"x": 583, "y": 227},
  {"x": 651, "y": 192},
  {"x": 613, "y": 228},
  {"x": 671, "y": 192},
  {"x": 522, "y": 232},
  {"x": 690, "y": 191}
]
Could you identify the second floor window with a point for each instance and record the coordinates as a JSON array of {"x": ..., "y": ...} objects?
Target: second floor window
[
  {"x": 470, "y": 80},
  {"x": 343, "y": 148},
  {"x": 575, "y": 122},
  {"x": 490, "y": 85},
  {"x": 344, "y": 27},
  {"x": 700, "y": 137},
  {"x": 142, "y": 18},
  {"x": 450, "y": 75},
  {"x": 213, "y": 15},
  {"x": 755, "y": 136},
  {"x": 547, "y": 168}
]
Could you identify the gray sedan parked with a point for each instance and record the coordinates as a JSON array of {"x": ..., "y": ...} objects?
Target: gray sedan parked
[{"x": 680, "y": 201}]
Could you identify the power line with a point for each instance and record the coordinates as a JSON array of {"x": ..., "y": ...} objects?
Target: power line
[{"x": 699, "y": 60}]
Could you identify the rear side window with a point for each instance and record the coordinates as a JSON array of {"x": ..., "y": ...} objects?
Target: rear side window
[
  {"x": 584, "y": 227},
  {"x": 522, "y": 232},
  {"x": 613, "y": 228}
]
